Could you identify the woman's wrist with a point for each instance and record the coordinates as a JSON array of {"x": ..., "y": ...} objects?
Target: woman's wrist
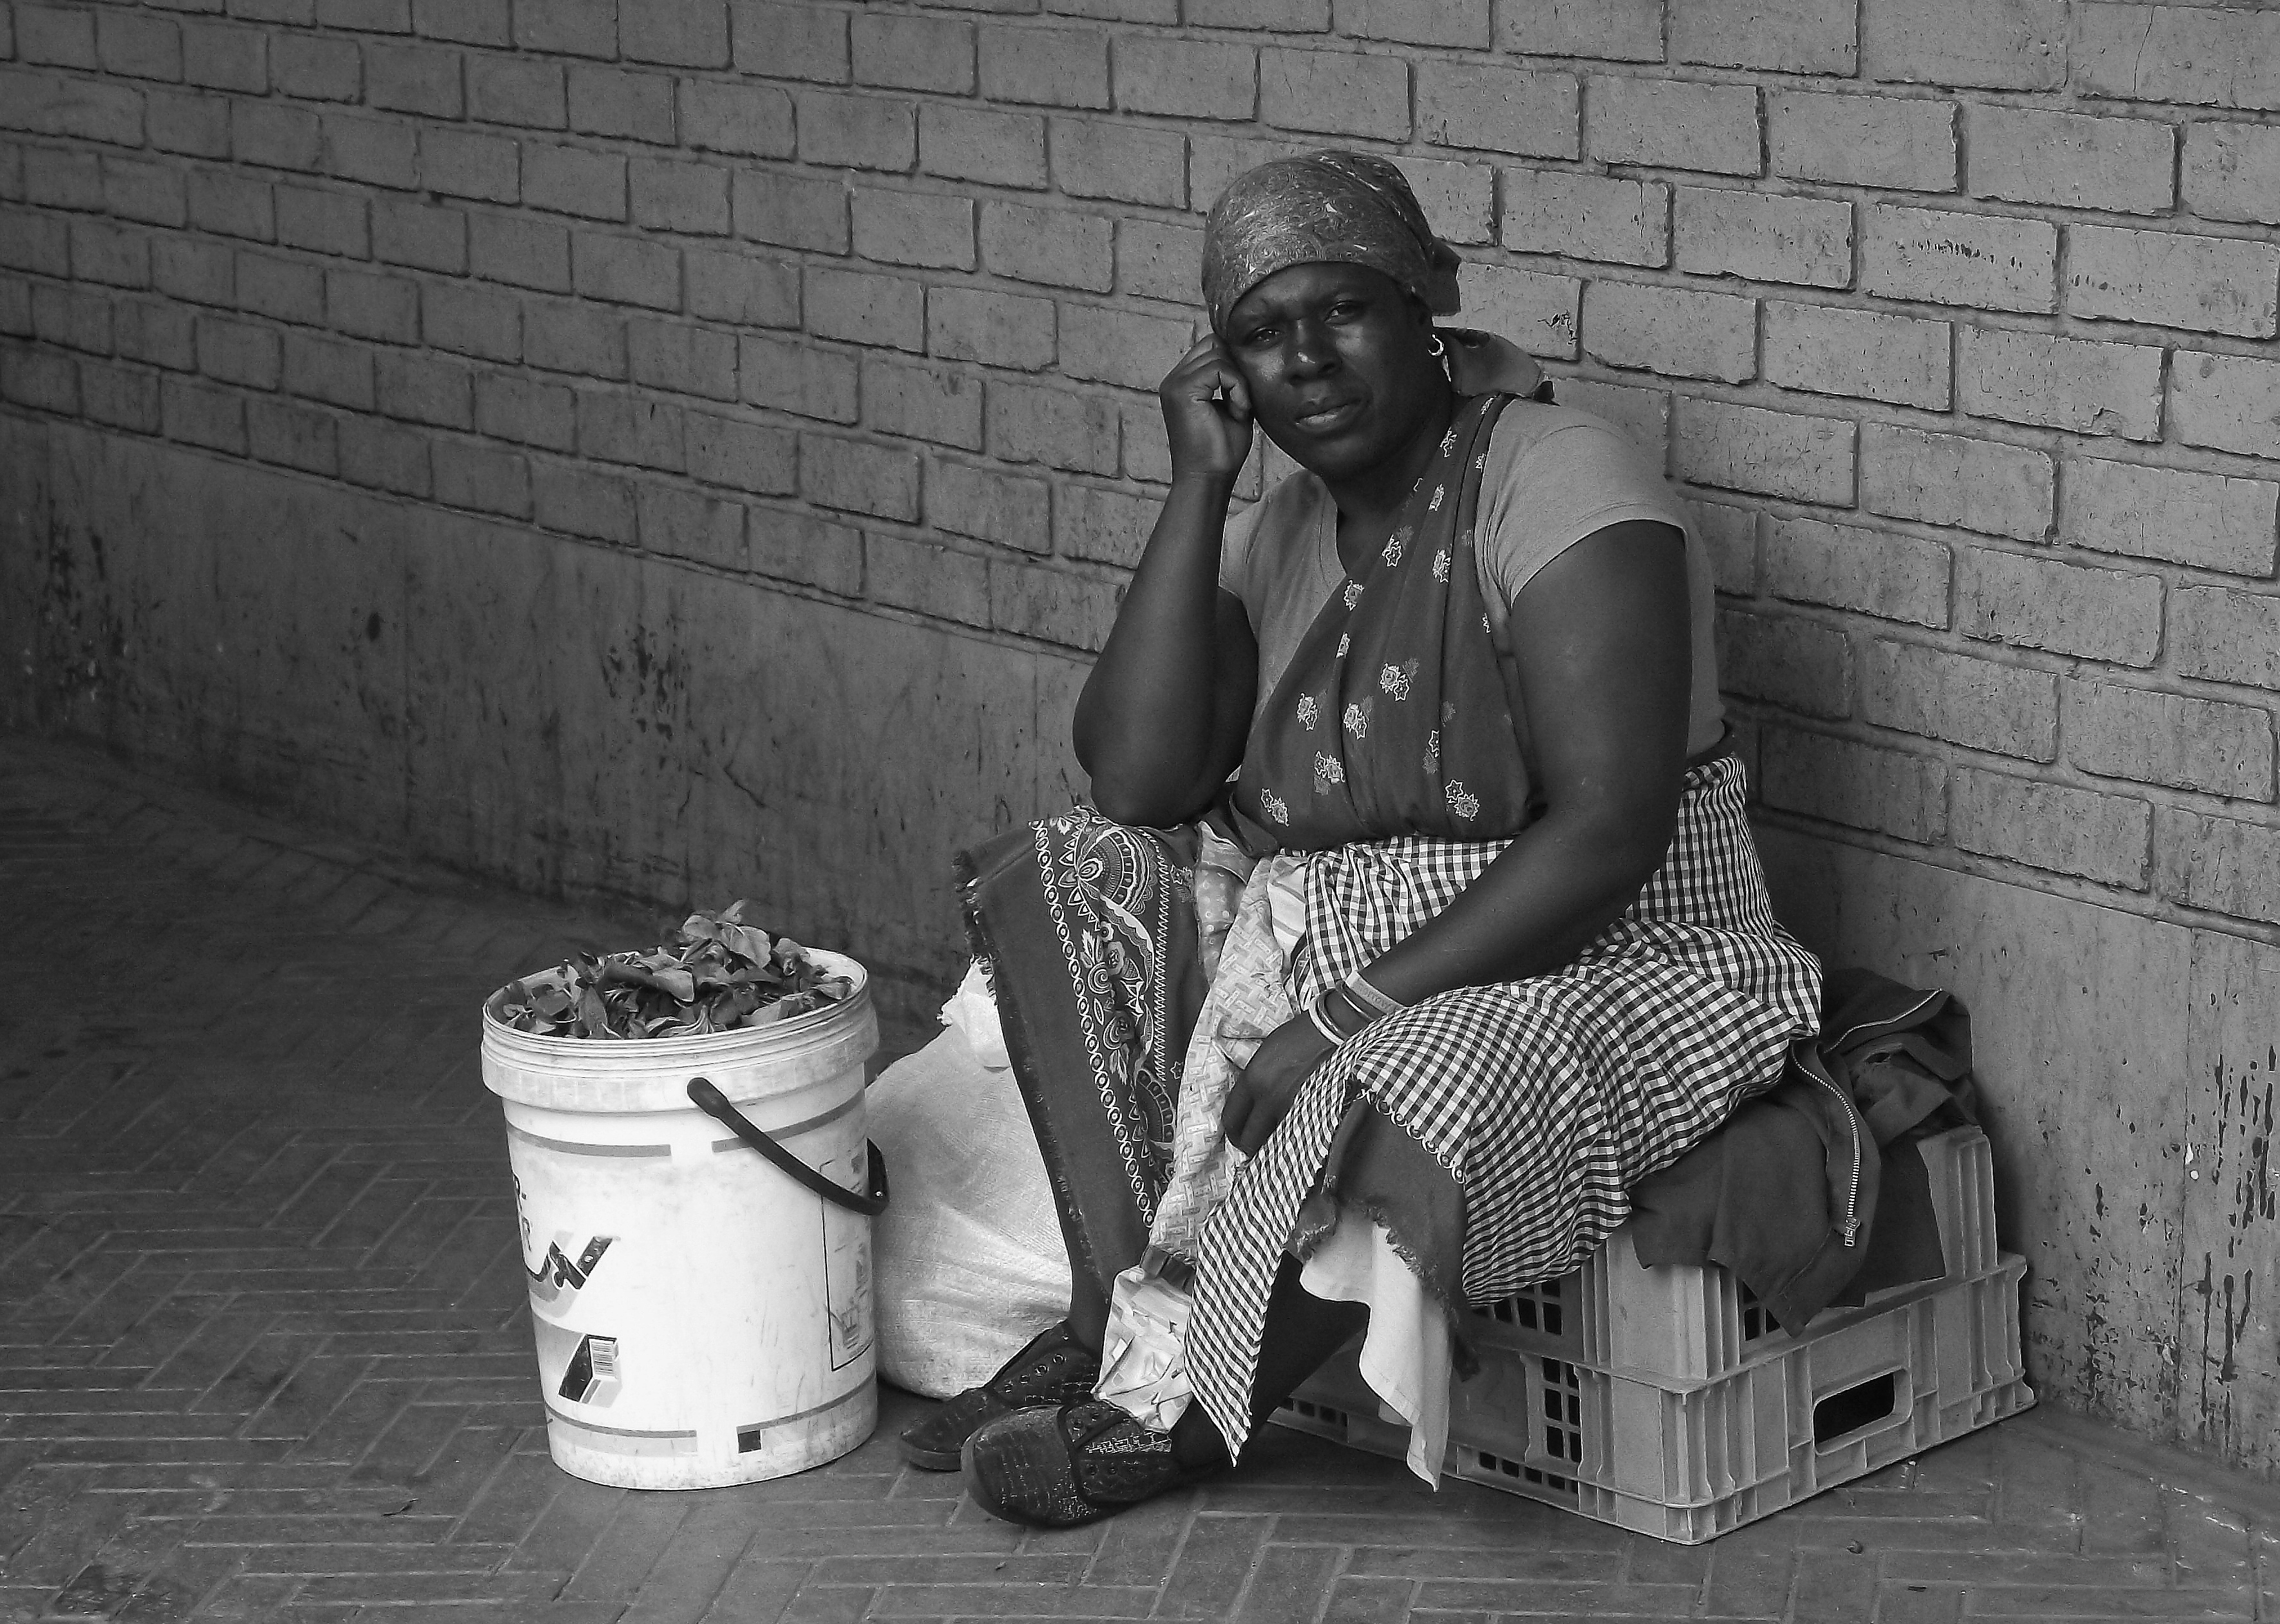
[
  {"x": 1368, "y": 996},
  {"x": 1208, "y": 484},
  {"x": 1344, "y": 1011},
  {"x": 1317, "y": 1018},
  {"x": 1348, "y": 1013},
  {"x": 1337, "y": 1015}
]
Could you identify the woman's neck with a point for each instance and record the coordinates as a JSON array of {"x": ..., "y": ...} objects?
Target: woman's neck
[{"x": 1367, "y": 502}]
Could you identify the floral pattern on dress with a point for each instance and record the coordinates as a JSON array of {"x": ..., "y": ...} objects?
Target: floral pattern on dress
[{"x": 1391, "y": 678}]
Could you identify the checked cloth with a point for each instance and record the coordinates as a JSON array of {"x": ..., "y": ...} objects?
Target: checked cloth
[{"x": 1545, "y": 1098}]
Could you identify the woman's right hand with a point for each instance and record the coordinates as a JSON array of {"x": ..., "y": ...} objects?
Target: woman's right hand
[{"x": 1206, "y": 413}]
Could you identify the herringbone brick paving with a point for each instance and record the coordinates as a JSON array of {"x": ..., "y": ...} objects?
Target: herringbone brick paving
[{"x": 263, "y": 1352}]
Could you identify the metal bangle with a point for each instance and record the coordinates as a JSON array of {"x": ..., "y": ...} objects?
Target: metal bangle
[
  {"x": 1370, "y": 997},
  {"x": 1362, "y": 1017},
  {"x": 1330, "y": 1033}
]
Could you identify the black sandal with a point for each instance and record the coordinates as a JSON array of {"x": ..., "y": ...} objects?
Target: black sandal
[
  {"x": 1052, "y": 1369},
  {"x": 1057, "y": 1467}
]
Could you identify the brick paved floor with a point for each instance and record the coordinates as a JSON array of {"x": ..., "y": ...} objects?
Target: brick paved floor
[{"x": 263, "y": 1353}]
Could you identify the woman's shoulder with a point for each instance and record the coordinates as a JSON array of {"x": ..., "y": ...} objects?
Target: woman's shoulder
[
  {"x": 1249, "y": 539},
  {"x": 1290, "y": 497},
  {"x": 1541, "y": 453},
  {"x": 1532, "y": 429},
  {"x": 1554, "y": 475}
]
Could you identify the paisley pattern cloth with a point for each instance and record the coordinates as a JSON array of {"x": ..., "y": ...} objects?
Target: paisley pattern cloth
[
  {"x": 1087, "y": 929},
  {"x": 1110, "y": 890},
  {"x": 1393, "y": 716}
]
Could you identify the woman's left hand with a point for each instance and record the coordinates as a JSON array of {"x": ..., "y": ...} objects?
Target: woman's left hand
[{"x": 1262, "y": 1096}]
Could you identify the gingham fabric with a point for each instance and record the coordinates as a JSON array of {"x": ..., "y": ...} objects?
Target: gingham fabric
[{"x": 1547, "y": 1098}]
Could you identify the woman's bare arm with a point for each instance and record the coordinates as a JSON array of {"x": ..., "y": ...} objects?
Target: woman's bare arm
[
  {"x": 1604, "y": 640},
  {"x": 1162, "y": 719}
]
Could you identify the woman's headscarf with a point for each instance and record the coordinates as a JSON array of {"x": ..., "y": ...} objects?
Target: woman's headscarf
[{"x": 1342, "y": 206}]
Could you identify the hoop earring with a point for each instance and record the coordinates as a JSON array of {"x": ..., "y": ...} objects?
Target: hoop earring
[{"x": 1434, "y": 348}]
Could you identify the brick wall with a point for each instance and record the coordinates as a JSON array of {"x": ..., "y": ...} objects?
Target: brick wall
[{"x": 693, "y": 445}]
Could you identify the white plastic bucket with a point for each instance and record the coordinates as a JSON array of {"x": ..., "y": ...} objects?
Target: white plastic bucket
[{"x": 701, "y": 1319}]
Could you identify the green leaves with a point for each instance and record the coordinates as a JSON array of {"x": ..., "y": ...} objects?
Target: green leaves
[{"x": 718, "y": 974}]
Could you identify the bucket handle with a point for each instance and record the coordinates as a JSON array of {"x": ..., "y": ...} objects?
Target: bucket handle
[{"x": 715, "y": 1104}]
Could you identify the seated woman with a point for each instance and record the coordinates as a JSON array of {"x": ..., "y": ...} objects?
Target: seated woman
[{"x": 1460, "y": 668}]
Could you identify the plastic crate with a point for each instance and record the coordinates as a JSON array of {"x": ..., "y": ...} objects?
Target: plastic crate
[
  {"x": 1667, "y": 1401},
  {"x": 1687, "y": 1461},
  {"x": 1962, "y": 1167},
  {"x": 1678, "y": 1321}
]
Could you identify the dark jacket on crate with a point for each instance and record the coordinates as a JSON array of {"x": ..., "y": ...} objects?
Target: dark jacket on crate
[{"x": 1814, "y": 1193}]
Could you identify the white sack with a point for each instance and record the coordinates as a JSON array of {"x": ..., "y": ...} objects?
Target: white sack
[
  {"x": 969, "y": 1258},
  {"x": 973, "y": 1009}
]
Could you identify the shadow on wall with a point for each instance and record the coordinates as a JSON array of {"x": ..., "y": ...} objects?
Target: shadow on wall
[{"x": 565, "y": 718}]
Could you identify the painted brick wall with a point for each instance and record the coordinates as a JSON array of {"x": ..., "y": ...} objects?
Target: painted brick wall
[{"x": 801, "y": 353}]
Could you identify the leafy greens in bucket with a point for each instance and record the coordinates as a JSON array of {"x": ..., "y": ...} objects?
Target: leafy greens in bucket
[{"x": 718, "y": 973}]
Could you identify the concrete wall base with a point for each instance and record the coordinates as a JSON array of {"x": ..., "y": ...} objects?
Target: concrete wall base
[{"x": 2126, "y": 1069}]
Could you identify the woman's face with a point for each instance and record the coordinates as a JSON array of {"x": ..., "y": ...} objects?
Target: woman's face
[{"x": 1336, "y": 358}]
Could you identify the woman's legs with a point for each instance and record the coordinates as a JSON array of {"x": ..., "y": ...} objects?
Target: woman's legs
[
  {"x": 1104, "y": 1232},
  {"x": 1088, "y": 1315},
  {"x": 1301, "y": 1332}
]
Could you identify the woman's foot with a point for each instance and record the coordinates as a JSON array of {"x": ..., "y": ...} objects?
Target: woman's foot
[
  {"x": 1056, "y": 1467},
  {"x": 1053, "y": 1368}
]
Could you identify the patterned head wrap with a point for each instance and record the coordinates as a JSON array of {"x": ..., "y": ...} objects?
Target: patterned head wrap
[{"x": 1341, "y": 206}]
